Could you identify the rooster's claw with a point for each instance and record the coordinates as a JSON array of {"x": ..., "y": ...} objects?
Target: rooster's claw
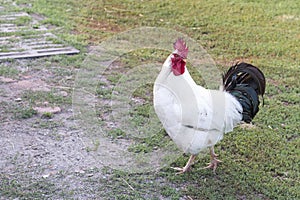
[{"x": 180, "y": 170}]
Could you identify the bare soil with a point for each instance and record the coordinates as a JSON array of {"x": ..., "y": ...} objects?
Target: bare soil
[{"x": 38, "y": 148}]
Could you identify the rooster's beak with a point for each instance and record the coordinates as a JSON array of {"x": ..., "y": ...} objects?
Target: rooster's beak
[{"x": 184, "y": 60}]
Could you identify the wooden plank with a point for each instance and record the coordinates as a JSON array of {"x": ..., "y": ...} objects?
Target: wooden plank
[
  {"x": 13, "y": 16},
  {"x": 33, "y": 42},
  {"x": 34, "y": 54}
]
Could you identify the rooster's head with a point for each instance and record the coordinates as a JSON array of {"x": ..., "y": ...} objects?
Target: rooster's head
[{"x": 179, "y": 57}]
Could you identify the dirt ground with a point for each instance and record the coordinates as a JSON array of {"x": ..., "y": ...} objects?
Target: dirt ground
[{"x": 37, "y": 148}]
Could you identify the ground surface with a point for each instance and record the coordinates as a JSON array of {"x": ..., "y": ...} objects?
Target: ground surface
[{"x": 50, "y": 148}]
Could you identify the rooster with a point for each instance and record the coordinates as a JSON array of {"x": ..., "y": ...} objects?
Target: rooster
[{"x": 196, "y": 118}]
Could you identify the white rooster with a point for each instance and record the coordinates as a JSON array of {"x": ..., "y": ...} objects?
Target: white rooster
[{"x": 196, "y": 118}]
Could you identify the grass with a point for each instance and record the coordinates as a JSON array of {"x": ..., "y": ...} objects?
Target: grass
[
  {"x": 13, "y": 187},
  {"x": 39, "y": 97},
  {"x": 8, "y": 72},
  {"x": 259, "y": 163},
  {"x": 24, "y": 112}
]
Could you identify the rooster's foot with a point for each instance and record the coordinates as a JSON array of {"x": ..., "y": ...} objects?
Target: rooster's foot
[
  {"x": 213, "y": 164},
  {"x": 186, "y": 167},
  {"x": 214, "y": 161},
  {"x": 181, "y": 170}
]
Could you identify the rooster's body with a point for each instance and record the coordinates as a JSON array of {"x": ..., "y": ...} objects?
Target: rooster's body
[{"x": 196, "y": 118}]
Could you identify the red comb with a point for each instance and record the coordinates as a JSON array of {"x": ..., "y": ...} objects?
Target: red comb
[{"x": 181, "y": 48}]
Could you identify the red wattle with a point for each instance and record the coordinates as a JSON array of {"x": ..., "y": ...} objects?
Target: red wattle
[{"x": 178, "y": 68}]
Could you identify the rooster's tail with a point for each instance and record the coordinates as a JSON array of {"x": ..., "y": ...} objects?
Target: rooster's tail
[{"x": 245, "y": 82}]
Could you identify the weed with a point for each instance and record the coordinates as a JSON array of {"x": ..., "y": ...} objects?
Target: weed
[
  {"x": 8, "y": 71},
  {"x": 116, "y": 133},
  {"x": 24, "y": 112},
  {"x": 95, "y": 146},
  {"x": 39, "y": 97},
  {"x": 47, "y": 115}
]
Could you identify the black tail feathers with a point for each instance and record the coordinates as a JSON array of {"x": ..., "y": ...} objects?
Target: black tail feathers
[{"x": 246, "y": 82}]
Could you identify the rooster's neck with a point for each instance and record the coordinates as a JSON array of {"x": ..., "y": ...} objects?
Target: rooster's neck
[{"x": 165, "y": 71}]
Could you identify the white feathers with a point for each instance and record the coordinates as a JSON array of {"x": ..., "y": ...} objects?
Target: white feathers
[{"x": 194, "y": 117}]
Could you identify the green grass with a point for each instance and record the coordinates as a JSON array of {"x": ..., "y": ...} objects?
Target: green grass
[
  {"x": 260, "y": 163},
  {"x": 26, "y": 190},
  {"x": 39, "y": 97},
  {"x": 7, "y": 71},
  {"x": 14, "y": 110},
  {"x": 24, "y": 112}
]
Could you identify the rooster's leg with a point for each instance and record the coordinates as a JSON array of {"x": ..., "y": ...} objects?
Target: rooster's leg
[
  {"x": 214, "y": 161},
  {"x": 187, "y": 166}
]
